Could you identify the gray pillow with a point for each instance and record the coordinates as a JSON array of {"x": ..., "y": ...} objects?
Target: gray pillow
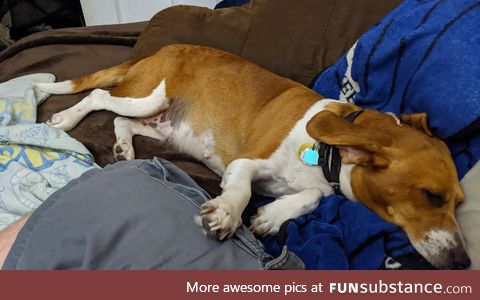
[{"x": 468, "y": 214}]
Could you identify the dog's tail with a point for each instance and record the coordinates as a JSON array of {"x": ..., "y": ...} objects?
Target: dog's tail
[{"x": 103, "y": 78}]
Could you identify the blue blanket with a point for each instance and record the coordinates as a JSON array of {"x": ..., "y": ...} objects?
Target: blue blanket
[
  {"x": 422, "y": 57},
  {"x": 344, "y": 235},
  {"x": 229, "y": 3}
]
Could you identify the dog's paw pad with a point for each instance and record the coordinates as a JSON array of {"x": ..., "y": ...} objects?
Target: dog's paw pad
[{"x": 123, "y": 150}]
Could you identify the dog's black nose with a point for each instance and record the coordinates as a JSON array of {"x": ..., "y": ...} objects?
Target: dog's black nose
[
  {"x": 462, "y": 262},
  {"x": 460, "y": 259}
]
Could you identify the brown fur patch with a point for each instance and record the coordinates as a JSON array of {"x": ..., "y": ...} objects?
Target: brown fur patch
[{"x": 103, "y": 78}]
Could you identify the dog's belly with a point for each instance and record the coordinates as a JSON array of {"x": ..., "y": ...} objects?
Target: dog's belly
[
  {"x": 201, "y": 146},
  {"x": 272, "y": 188}
]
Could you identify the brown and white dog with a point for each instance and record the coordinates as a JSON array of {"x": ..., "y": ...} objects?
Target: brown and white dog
[{"x": 246, "y": 124}]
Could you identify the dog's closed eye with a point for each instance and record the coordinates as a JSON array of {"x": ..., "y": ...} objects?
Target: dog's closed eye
[{"x": 434, "y": 199}]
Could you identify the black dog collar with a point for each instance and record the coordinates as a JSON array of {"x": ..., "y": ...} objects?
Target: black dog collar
[{"x": 330, "y": 160}]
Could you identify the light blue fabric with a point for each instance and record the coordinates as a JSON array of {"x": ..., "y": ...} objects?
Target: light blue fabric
[
  {"x": 35, "y": 159},
  {"x": 422, "y": 57}
]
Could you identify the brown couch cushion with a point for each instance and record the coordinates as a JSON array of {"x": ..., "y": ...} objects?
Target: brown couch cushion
[
  {"x": 224, "y": 28},
  {"x": 296, "y": 39}
]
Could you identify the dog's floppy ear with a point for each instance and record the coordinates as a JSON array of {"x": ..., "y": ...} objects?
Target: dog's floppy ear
[
  {"x": 418, "y": 121},
  {"x": 358, "y": 144}
]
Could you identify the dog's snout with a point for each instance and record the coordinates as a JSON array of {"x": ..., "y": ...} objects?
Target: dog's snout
[{"x": 444, "y": 250}]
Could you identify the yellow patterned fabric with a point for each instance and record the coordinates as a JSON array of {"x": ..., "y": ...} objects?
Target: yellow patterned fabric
[{"x": 35, "y": 159}]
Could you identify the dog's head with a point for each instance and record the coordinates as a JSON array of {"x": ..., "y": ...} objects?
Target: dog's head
[{"x": 404, "y": 174}]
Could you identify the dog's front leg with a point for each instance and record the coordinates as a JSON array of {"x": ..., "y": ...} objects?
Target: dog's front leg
[
  {"x": 223, "y": 215},
  {"x": 270, "y": 217}
]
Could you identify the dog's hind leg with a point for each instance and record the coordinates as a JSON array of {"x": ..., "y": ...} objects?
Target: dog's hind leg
[
  {"x": 100, "y": 99},
  {"x": 126, "y": 128}
]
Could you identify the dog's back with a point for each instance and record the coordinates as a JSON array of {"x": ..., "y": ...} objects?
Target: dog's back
[{"x": 236, "y": 101}]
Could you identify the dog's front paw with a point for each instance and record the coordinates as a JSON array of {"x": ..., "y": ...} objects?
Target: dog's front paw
[
  {"x": 269, "y": 218},
  {"x": 64, "y": 120},
  {"x": 123, "y": 150},
  {"x": 218, "y": 219}
]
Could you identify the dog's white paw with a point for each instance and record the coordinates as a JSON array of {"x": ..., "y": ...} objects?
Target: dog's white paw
[
  {"x": 65, "y": 120},
  {"x": 123, "y": 150},
  {"x": 269, "y": 218},
  {"x": 218, "y": 220}
]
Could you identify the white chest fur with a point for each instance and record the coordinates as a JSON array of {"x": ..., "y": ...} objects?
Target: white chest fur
[{"x": 285, "y": 173}]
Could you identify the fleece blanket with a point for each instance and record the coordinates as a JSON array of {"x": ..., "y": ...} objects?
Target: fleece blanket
[
  {"x": 35, "y": 160},
  {"x": 423, "y": 57},
  {"x": 343, "y": 235}
]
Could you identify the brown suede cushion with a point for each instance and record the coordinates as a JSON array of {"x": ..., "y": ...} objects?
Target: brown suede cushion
[{"x": 296, "y": 39}]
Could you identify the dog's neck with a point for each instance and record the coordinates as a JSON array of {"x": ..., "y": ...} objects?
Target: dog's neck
[
  {"x": 346, "y": 181},
  {"x": 341, "y": 177}
]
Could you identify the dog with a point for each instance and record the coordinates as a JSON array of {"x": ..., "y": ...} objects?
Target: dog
[{"x": 266, "y": 133}]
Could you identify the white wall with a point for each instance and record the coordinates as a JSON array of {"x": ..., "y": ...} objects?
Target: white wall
[{"x": 99, "y": 12}]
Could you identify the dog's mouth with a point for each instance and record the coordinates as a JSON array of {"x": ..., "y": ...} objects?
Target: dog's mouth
[{"x": 443, "y": 249}]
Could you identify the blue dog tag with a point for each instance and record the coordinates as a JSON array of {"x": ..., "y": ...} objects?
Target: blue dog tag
[{"x": 310, "y": 157}]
